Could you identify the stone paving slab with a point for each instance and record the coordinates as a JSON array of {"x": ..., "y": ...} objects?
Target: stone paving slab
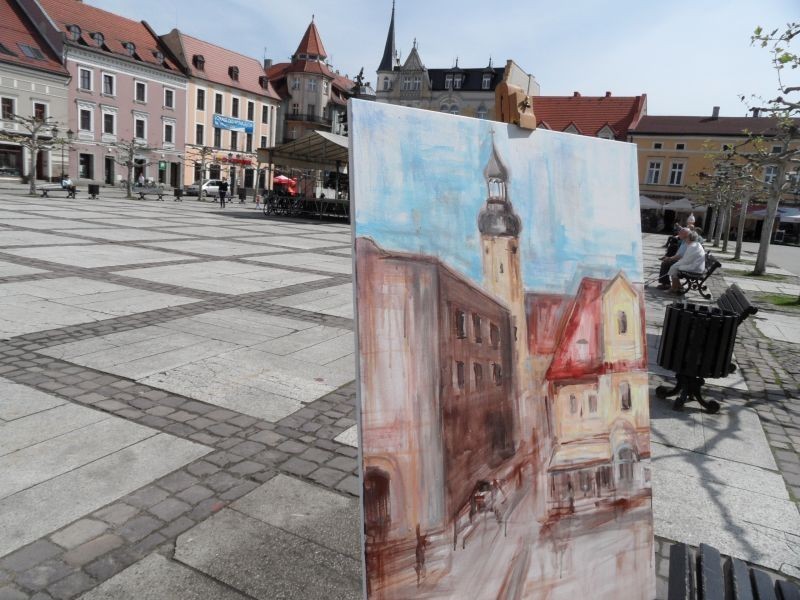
[
  {"x": 8, "y": 269},
  {"x": 121, "y": 235},
  {"x": 779, "y": 326},
  {"x": 96, "y": 255},
  {"x": 158, "y": 578},
  {"x": 18, "y": 401},
  {"x": 337, "y": 301},
  {"x": 216, "y": 247},
  {"x": 43, "y": 426},
  {"x": 9, "y": 239},
  {"x": 267, "y": 562},
  {"x": 309, "y": 260}
]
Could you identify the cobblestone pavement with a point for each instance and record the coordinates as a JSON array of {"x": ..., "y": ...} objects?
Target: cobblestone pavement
[
  {"x": 158, "y": 362},
  {"x": 177, "y": 407}
]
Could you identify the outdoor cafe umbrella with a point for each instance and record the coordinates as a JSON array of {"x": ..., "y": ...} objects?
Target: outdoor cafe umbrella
[
  {"x": 282, "y": 179},
  {"x": 646, "y": 203},
  {"x": 682, "y": 205}
]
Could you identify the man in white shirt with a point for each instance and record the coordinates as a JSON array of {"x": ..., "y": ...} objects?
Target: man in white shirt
[{"x": 693, "y": 260}]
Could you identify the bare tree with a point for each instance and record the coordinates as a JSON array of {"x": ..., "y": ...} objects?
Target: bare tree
[
  {"x": 125, "y": 152},
  {"x": 201, "y": 154},
  {"x": 36, "y": 135}
]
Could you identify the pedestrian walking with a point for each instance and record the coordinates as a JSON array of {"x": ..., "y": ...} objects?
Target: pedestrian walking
[{"x": 223, "y": 189}]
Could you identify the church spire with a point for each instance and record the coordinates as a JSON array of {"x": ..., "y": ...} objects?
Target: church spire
[
  {"x": 497, "y": 217},
  {"x": 389, "y": 52}
]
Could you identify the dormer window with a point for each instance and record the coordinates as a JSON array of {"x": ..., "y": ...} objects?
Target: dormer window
[
  {"x": 199, "y": 62},
  {"x": 74, "y": 32},
  {"x": 457, "y": 82},
  {"x": 263, "y": 81},
  {"x": 98, "y": 38},
  {"x": 233, "y": 72},
  {"x": 130, "y": 48},
  {"x": 159, "y": 56}
]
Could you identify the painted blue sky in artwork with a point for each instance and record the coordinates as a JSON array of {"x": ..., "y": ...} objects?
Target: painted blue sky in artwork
[{"x": 418, "y": 186}]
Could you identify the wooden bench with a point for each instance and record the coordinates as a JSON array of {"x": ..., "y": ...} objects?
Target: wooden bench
[
  {"x": 46, "y": 190},
  {"x": 705, "y": 574},
  {"x": 697, "y": 281},
  {"x": 151, "y": 192}
]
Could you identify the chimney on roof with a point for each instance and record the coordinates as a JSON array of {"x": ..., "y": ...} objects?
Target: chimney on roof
[
  {"x": 755, "y": 110},
  {"x": 608, "y": 94},
  {"x": 715, "y": 113},
  {"x": 267, "y": 63},
  {"x": 576, "y": 94}
]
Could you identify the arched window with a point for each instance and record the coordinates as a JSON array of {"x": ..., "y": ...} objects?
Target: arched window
[
  {"x": 481, "y": 113},
  {"x": 625, "y": 461},
  {"x": 98, "y": 39},
  {"x": 130, "y": 47},
  {"x": 74, "y": 33},
  {"x": 622, "y": 322},
  {"x": 453, "y": 109}
]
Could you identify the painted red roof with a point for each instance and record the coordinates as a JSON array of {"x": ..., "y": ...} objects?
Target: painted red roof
[
  {"x": 545, "y": 313},
  {"x": 217, "y": 63},
  {"x": 17, "y": 30},
  {"x": 311, "y": 42},
  {"x": 589, "y": 114},
  {"x": 115, "y": 29}
]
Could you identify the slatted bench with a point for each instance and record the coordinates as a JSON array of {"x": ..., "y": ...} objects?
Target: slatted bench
[
  {"x": 46, "y": 190},
  {"x": 705, "y": 574},
  {"x": 697, "y": 281},
  {"x": 734, "y": 300},
  {"x": 151, "y": 192}
]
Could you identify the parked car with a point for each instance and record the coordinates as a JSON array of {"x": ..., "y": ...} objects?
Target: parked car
[{"x": 209, "y": 188}]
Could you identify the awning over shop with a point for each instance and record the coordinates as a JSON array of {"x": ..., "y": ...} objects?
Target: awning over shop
[
  {"x": 315, "y": 150},
  {"x": 682, "y": 205}
]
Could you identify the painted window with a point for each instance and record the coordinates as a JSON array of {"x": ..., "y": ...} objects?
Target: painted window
[
  {"x": 676, "y": 173},
  {"x": 625, "y": 395},
  {"x": 141, "y": 91},
  {"x": 497, "y": 374},
  {"x": 494, "y": 335},
  {"x": 573, "y": 404},
  {"x": 654, "y": 172},
  {"x": 85, "y": 79},
  {"x": 592, "y": 403},
  {"x": 461, "y": 375},
  {"x": 476, "y": 328},
  {"x": 461, "y": 324},
  {"x": 625, "y": 460},
  {"x": 201, "y": 100},
  {"x": 622, "y": 322},
  {"x": 477, "y": 370},
  {"x": 199, "y": 135}
]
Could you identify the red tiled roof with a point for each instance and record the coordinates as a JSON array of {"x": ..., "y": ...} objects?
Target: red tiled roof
[
  {"x": 722, "y": 126},
  {"x": 590, "y": 114},
  {"x": 311, "y": 42},
  {"x": 217, "y": 62},
  {"x": 17, "y": 30},
  {"x": 115, "y": 29}
]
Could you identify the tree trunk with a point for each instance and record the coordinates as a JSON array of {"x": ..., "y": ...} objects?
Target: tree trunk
[
  {"x": 712, "y": 222},
  {"x": 769, "y": 220},
  {"x": 34, "y": 156},
  {"x": 726, "y": 234},
  {"x": 740, "y": 229},
  {"x": 718, "y": 225}
]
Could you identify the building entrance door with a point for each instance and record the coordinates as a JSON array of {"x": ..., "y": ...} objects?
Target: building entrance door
[
  {"x": 42, "y": 165},
  {"x": 109, "y": 171}
]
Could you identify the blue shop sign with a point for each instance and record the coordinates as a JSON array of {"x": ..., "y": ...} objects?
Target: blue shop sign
[{"x": 224, "y": 122}]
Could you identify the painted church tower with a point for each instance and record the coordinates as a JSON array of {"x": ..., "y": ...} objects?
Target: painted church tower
[{"x": 500, "y": 227}]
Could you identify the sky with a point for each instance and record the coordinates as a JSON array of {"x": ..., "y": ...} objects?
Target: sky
[
  {"x": 687, "y": 55},
  {"x": 418, "y": 183}
]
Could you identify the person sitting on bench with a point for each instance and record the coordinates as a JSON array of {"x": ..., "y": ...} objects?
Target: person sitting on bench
[
  {"x": 675, "y": 250},
  {"x": 693, "y": 260}
]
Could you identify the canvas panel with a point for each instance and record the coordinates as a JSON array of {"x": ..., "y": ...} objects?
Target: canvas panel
[{"x": 502, "y": 360}]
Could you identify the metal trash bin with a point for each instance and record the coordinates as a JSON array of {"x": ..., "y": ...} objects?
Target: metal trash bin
[
  {"x": 696, "y": 342},
  {"x": 177, "y": 192},
  {"x": 242, "y": 195},
  {"x": 94, "y": 190}
]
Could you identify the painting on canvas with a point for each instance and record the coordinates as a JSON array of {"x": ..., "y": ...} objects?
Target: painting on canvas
[{"x": 502, "y": 360}]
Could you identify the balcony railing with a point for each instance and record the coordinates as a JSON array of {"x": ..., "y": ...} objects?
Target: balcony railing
[{"x": 308, "y": 118}]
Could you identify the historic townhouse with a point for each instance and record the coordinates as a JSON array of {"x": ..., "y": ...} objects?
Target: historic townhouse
[
  {"x": 123, "y": 87},
  {"x": 314, "y": 95},
  {"x": 459, "y": 91},
  {"x": 33, "y": 83},
  {"x": 231, "y": 110}
]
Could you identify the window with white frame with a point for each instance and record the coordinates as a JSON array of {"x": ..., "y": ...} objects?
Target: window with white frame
[
  {"x": 770, "y": 173},
  {"x": 235, "y": 107},
  {"x": 657, "y": 145},
  {"x": 169, "y": 132},
  {"x": 676, "y": 173},
  {"x": 140, "y": 89},
  {"x": 680, "y": 146},
  {"x": 201, "y": 100},
  {"x": 218, "y": 103},
  {"x": 325, "y": 86},
  {"x": 454, "y": 109},
  {"x": 140, "y": 128},
  {"x": 85, "y": 79},
  {"x": 295, "y": 109},
  {"x": 109, "y": 84},
  {"x": 486, "y": 82},
  {"x": 251, "y": 110},
  {"x": 39, "y": 111},
  {"x": 417, "y": 83},
  {"x": 312, "y": 85},
  {"x": 109, "y": 123},
  {"x": 199, "y": 134},
  {"x": 385, "y": 83},
  {"x": 169, "y": 98},
  {"x": 457, "y": 82},
  {"x": 482, "y": 112},
  {"x": 85, "y": 119},
  {"x": 265, "y": 114},
  {"x": 448, "y": 81},
  {"x": 406, "y": 82},
  {"x": 263, "y": 141},
  {"x": 295, "y": 83},
  {"x": 777, "y": 149},
  {"x": 653, "y": 172}
]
